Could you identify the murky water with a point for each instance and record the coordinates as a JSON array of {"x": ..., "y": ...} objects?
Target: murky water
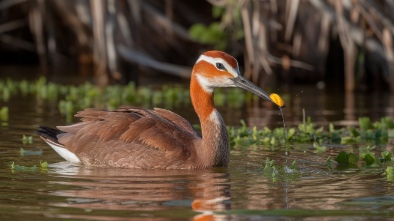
[{"x": 242, "y": 191}]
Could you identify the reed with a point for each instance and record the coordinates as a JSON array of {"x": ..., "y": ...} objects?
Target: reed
[{"x": 281, "y": 40}]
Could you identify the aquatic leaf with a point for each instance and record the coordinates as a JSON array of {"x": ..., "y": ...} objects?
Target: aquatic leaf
[
  {"x": 353, "y": 159},
  {"x": 268, "y": 165},
  {"x": 369, "y": 159},
  {"x": 290, "y": 133},
  {"x": 319, "y": 148},
  {"x": 342, "y": 157},
  {"x": 331, "y": 128},
  {"x": 273, "y": 141},
  {"x": 354, "y": 132},
  {"x": 390, "y": 173},
  {"x": 328, "y": 162},
  {"x": 4, "y": 114},
  {"x": 347, "y": 140},
  {"x": 365, "y": 123},
  {"x": 43, "y": 165},
  {"x": 387, "y": 156},
  {"x": 16, "y": 168},
  {"x": 27, "y": 139},
  {"x": 6, "y": 94},
  {"x": 22, "y": 152},
  {"x": 277, "y": 173}
]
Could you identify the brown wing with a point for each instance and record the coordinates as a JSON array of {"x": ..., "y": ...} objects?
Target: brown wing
[
  {"x": 129, "y": 137},
  {"x": 176, "y": 119}
]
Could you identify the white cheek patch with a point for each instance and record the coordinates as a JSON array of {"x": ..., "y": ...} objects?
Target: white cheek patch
[{"x": 209, "y": 84}]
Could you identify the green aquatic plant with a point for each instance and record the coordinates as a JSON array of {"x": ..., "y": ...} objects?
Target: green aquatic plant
[
  {"x": 280, "y": 172},
  {"x": 318, "y": 137},
  {"x": 366, "y": 155},
  {"x": 387, "y": 156},
  {"x": 24, "y": 152},
  {"x": 27, "y": 139},
  {"x": 328, "y": 162},
  {"x": 389, "y": 173},
  {"x": 72, "y": 98},
  {"x": 4, "y": 114},
  {"x": 43, "y": 166},
  {"x": 344, "y": 158}
]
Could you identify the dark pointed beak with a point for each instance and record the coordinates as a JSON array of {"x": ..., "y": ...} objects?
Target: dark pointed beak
[{"x": 241, "y": 82}]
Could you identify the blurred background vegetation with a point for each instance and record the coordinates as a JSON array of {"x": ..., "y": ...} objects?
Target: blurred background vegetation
[{"x": 341, "y": 44}]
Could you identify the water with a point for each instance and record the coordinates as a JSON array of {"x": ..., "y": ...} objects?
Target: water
[{"x": 241, "y": 191}]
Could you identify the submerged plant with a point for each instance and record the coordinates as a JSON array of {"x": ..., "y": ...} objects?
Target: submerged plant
[{"x": 280, "y": 172}]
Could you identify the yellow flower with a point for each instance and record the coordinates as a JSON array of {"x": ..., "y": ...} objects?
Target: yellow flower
[{"x": 277, "y": 99}]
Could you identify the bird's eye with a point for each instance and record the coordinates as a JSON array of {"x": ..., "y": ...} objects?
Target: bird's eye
[{"x": 220, "y": 66}]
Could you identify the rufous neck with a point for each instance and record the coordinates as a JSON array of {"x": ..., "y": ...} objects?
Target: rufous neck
[
  {"x": 202, "y": 100},
  {"x": 214, "y": 147}
]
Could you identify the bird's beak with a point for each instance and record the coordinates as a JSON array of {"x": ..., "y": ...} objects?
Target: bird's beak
[{"x": 241, "y": 82}]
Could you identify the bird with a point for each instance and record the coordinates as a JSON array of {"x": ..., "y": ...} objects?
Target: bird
[{"x": 138, "y": 138}]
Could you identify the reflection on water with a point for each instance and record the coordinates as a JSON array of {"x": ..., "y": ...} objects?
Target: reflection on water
[
  {"x": 142, "y": 190},
  {"x": 241, "y": 191}
]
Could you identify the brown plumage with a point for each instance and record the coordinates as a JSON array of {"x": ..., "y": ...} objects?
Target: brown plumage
[{"x": 133, "y": 137}]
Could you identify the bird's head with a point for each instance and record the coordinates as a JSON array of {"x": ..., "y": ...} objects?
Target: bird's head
[{"x": 219, "y": 69}]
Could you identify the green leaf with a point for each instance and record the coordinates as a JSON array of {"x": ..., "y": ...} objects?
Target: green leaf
[
  {"x": 387, "y": 156},
  {"x": 353, "y": 159},
  {"x": 369, "y": 159},
  {"x": 290, "y": 133},
  {"x": 347, "y": 140},
  {"x": 44, "y": 165},
  {"x": 331, "y": 128},
  {"x": 342, "y": 157},
  {"x": 4, "y": 114},
  {"x": 354, "y": 132},
  {"x": 365, "y": 123},
  {"x": 27, "y": 139},
  {"x": 389, "y": 173},
  {"x": 328, "y": 162},
  {"x": 319, "y": 148}
]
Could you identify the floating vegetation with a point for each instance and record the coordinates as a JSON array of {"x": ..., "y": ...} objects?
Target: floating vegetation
[
  {"x": 27, "y": 139},
  {"x": 4, "y": 114},
  {"x": 344, "y": 158},
  {"x": 72, "y": 98},
  {"x": 366, "y": 133},
  {"x": 24, "y": 152},
  {"x": 43, "y": 166},
  {"x": 390, "y": 173}
]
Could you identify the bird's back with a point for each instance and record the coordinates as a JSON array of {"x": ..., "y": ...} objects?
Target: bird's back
[{"x": 131, "y": 137}]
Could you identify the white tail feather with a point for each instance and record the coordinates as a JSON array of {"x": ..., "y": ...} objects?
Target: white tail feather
[{"x": 63, "y": 152}]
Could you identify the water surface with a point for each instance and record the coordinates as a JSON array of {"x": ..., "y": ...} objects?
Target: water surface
[{"x": 241, "y": 191}]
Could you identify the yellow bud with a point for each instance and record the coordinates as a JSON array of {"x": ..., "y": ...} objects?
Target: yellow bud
[{"x": 277, "y": 100}]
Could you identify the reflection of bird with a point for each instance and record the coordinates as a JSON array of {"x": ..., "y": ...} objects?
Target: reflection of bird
[{"x": 132, "y": 137}]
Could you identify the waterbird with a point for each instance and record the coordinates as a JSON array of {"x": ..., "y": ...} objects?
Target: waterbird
[{"x": 135, "y": 137}]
